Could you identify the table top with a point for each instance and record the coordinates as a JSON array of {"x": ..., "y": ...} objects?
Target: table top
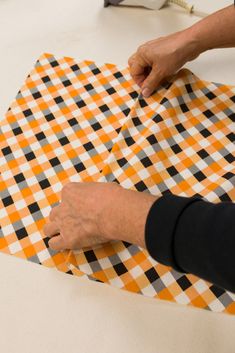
[{"x": 42, "y": 310}]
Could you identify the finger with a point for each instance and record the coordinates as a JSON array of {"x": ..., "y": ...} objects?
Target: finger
[
  {"x": 54, "y": 213},
  {"x": 137, "y": 68},
  {"x": 151, "y": 83},
  {"x": 139, "y": 79},
  {"x": 131, "y": 59},
  {"x": 57, "y": 243},
  {"x": 50, "y": 229},
  {"x": 138, "y": 73}
]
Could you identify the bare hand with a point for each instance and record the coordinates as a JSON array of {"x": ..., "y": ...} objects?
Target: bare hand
[
  {"x": 157, "y": 59},
  {"x": 94, "y": 213}
]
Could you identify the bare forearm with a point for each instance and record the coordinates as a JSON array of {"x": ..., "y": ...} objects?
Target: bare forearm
[{"x": 214, "y": 31}]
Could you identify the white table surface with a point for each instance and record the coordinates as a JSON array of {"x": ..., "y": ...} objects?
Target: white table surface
[{"x": 42, "y": 310}]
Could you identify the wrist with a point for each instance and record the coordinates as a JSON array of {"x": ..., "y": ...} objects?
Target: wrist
[
  {"x": 191, "y": 46},
  {"x": 128, "y": 216}
]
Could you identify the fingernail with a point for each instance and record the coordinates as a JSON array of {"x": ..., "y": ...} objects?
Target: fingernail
[{"x": 146, "y": 92}]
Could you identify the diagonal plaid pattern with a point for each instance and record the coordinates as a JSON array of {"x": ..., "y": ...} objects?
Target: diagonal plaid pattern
[
  {"x": 60, "y": 128},
  {"x": 80, "y": 122}
]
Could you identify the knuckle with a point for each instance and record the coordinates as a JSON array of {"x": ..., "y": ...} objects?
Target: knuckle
[
  {"x": 52, "y": 213},
  {"x": 131, "y": 60},
  {"x": 67, "y": 187},
  {"x": 45, "y": 229},
  {"x": 71, "y": 243},
  {"x": 141, "y": 49}
]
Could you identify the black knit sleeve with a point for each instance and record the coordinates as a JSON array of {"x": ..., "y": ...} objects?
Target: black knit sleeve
[{"x": 194, "y": 236}]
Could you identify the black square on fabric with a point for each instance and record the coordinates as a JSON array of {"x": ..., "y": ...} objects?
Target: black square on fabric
[
  {"x": 6, "y": 151},
  {"x": 64, "y": 141},
  {"x": 230, "y": 158},
  {"x": 205, "y": 132},
  {"x": 96, "y": 71},
  {"x": 36, "y": 95},
  {"x": 189, "y": 88},
  {"x": 129, "y": 141},
  {"x": 152, "y": 140},
  {"x": 232, "y": 117},
  {"x": 126, "y": 244},
  {"x": 54, "y": 63},
  {"x": 79, "y": 167},
  {"x": 203, "y": 154},
  {"x": 29, "y": 156},
  {"x": 111, "y": 90},
  {"x": 142, "y": 103},
  {"x": 17, "y": 131},
  {"x": 208, "y": 113},
  {"x": 184, "y": 107},
  {"x": 210, "y": 95},
  {"x": 19, "y": 177},
  {"x": 88, "y": 146},
  {"x": 118, "y": 130},
  {"x": 180, "y": 128},
  {"x": 89, "y": 87},
  {"x": 21, "y": 233},
  {"x": 33, "y": 207},
  {"x": 122, "y": 162},
  {"x": 54, "y": 161},
  {"x": 67, "y": 83},
  {"x": 90, "y": 256},
  {"x": 49, "y": 117},
  {"x": 157, "y": 118},
  {"x": 172, "y": 170},
  {"x": 27, "y": 112},
  {"x": 44, "y": 184},
  {"x": 184, "y": 283},
  {"x": 75, "y": 67},
  {"x": 126, "y": 111},
  {"x": 233, "y": 99},
  {"x": 228, "y": 175},
  {"x": 40, "y": 136},
  {"x": 80, "y": 103},
  {"x": 7, "y": 201},
  {"x": 199, "y": 176},
  {"x": 118, "y": 74},
  {"x": 72, "y": 122},
  {"x": 120, "y": 268},
  {"x": 152, "y": 275},
  {"x": 46, "y": 241},
  {"x": 146, "y": 162},
  {"x": 176, "y": 149},
  {"x": 58, "y": 99},
  {"x": 134, "y": 94},
  {"x": 217, "y": 291},
  {"x": 140, "y": 186},
  {"x": 136, "y": 121},
  {"x": 69, "y": 272},
  {"x": 46, "y": 79},
  {"x": 96, "y": 126},
  {"x": 225, "y": 197},
  {"x": 164, "y": 100},
  {"x": 104, "y": 108}
]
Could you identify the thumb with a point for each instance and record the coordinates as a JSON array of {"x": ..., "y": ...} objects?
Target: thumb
[
  {"x": 57, "y": 243},
  {"x": 151, "y": 82}
]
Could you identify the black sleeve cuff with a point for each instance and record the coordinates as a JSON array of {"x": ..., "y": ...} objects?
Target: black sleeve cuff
[
  {"x": 160, "y": 227},
  {"x": 194, "y": 236}
]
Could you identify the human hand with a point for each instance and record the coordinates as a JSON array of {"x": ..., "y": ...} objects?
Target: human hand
[
  {"x": 94, "y": 213},
  {"x": 157, "y": 59}
]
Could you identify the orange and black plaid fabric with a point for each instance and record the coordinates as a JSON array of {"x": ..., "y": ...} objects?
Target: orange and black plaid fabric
[{"x": 80, "y": 122}]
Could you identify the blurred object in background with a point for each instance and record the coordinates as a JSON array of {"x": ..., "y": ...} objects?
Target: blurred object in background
[{"x": 150, "y": 4}]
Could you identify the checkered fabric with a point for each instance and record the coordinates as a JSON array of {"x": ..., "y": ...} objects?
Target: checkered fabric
[{"x": 80, "y": 122}]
